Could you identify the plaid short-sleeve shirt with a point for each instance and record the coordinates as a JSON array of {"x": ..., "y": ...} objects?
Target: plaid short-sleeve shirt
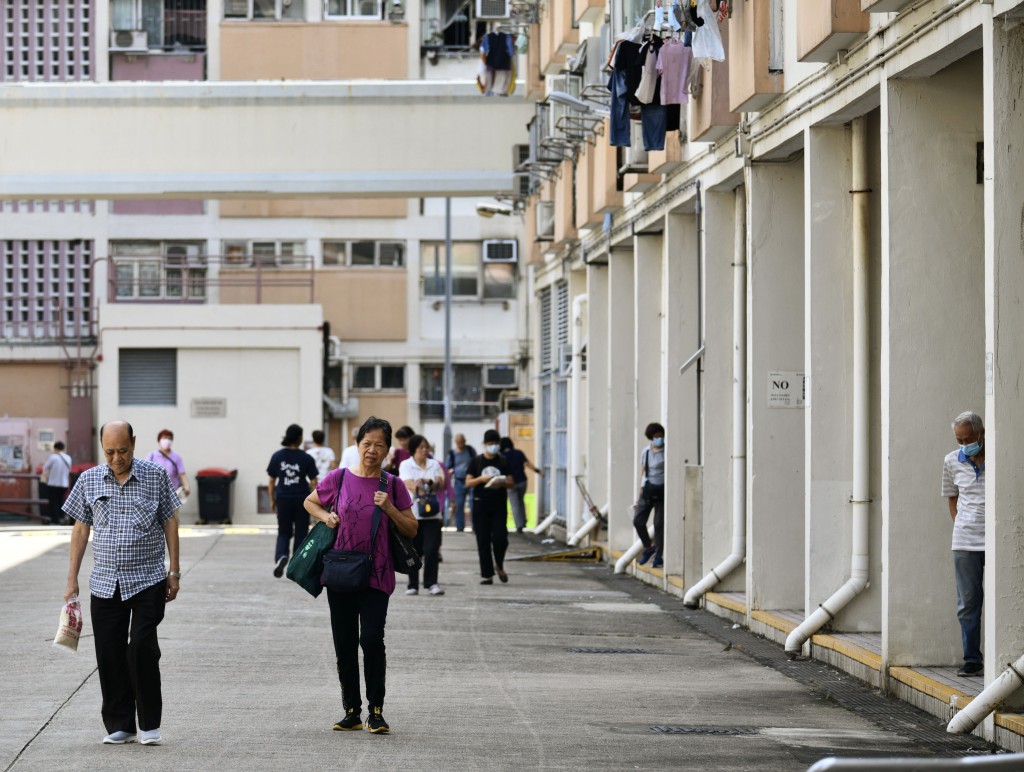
[{"x": 128, "y": 544}]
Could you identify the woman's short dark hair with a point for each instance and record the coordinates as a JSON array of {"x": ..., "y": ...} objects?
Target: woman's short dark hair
[
  {"x": 414, "y": 442},
  {"x": 58, "y": 445},
  {"x": 505, "y": 443},
  {"x": 165, "y": 433},
  {"x": 318, "y": 437},
  {"x": 372, "y": 424},
  {"x": 653, "y": 429},
  {"x": 404, "y": 433},
  {"x": 292, "y": 436}
]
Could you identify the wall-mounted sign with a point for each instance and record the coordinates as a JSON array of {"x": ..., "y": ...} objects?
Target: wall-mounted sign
[
  {"x": 209, "y": 407},
  {"x": 786, "y": 389}
]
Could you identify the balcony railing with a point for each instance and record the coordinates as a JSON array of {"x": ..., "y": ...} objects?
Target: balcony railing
[
  {"x": 208, "y": 278},
  {"x": 45, "y": 319}
]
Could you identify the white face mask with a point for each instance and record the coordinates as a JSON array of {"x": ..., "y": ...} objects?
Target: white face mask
[
  {"x": 493, "y": 449},
  {"x": 165, "y": 443}
]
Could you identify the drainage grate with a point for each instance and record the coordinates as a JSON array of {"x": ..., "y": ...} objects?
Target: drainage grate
[
  {"x": 702, "y": 730},
  {"x": 605, "y": 650}
]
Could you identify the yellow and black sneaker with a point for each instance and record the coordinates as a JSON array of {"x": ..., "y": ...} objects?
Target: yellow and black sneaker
[
  {"x": 376, "y": 723},
  {"x": 350, "y": 722}
]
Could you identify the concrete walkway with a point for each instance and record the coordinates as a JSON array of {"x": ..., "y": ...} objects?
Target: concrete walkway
[{"x": 564, "y": 667}]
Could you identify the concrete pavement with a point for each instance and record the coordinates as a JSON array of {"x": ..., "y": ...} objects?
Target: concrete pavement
[{"x": 565, "y": 667}]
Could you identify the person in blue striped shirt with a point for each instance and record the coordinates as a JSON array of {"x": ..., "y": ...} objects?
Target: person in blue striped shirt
[{"x": 129, "y": 506}]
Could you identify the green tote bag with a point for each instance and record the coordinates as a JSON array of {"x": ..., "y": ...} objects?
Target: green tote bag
[{"x": 307, "y": 563}]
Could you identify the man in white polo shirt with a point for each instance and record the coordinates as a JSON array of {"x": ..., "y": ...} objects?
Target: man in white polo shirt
[{"x": 963, "y": 484}]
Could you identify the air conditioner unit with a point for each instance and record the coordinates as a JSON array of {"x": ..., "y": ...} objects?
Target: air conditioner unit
[
  {"x": 522, "y": 184},
  {"x": 500, "y": 250},
  {"x": 564, "y": 359},
  {"x": 635, "y": 155},
  {"x": 129, "y": 40},
  {"x": 593, "y": 67},
  {"x": 520, "y": 156},
  {"x": 501, "y": 377},
  {"x": 493, "y": 9},
  {"x": 545, "y": 213}
]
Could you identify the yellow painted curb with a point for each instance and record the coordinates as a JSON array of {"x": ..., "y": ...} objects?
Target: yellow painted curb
[
  {"x": 776, "y": 622},
  {"x": 1014, "y": 722},
  {"x": 676, "y": 581},
  {"x": 931, "y": 687},
  {"x": 854, "y": 652},
  {"x": 727, "y": 603}
]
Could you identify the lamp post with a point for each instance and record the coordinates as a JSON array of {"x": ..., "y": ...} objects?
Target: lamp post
[{"x": 447, "y": 441}]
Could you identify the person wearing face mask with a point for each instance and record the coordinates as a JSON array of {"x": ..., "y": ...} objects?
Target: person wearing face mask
[
  {"x": 171, "y": 462},
  {"x": 489, "y": 478},
  {"x": 963, "y": 485},
  {"x": 652, "y": 495}
]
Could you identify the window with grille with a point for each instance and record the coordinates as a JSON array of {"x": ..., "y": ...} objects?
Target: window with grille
[
  {"x": 46, "y": 40},
  {"x": 562, "y": 327},
  {"x": 148, "y": 376},
  {"x": 46, "y": 290},
  {"x": 545, "y": 328}
]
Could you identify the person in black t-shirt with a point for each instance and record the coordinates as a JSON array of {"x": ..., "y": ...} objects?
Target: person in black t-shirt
[
  {"x": 289, "y": 470},
  {"x": 489, "y": 478}
]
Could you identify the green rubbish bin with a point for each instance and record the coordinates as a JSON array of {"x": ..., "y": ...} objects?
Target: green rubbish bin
[{"x": 214, "y": 486}]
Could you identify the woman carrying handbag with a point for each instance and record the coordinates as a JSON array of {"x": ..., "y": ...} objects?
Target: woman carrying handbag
[{"x": 359, "y": 616}]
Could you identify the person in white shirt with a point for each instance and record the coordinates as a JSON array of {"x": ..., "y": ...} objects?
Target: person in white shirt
[
  {"x": 963, "y": 485},
  {"x": 322, "y": 455},
  {"x": 350, "y": 456},
  {"x": 424, "y": 478},
  {"x": 56, "y": 477}
]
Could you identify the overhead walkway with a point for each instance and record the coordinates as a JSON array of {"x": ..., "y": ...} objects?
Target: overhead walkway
[{"x": 256, "y": 139}]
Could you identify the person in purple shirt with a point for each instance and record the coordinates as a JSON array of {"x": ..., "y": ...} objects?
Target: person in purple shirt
[
  {"x": 346, "y": 499},
  {"x": 171, "y": 462}
]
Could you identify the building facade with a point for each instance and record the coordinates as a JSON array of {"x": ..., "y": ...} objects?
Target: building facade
[
  {"x": 805, "y": 285},
  {"x": 250, "y": 229}
]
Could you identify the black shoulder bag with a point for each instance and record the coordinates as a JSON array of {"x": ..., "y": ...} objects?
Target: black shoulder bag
[
  {"x": 403, "y": 550},
  {"x": 349, "y": 570}
]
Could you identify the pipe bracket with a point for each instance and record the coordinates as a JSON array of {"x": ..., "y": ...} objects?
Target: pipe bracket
[
  {"x": 824, "y": 608},
  {"x": 1016, "y": 672},
  {"x": 861, "y": 501}
]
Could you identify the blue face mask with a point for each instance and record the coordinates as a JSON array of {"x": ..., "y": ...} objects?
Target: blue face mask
[
  {"x": 658, "y": 442},
  {"x": 971, "y": 450}
]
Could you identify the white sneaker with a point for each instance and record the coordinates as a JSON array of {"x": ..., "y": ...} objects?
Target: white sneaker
[
  {"x": 436, "y": 590},
  {"x": 412, "y": 591},
  {"x": 151, "y": 737},
  {"x": 119, "y": 738}
]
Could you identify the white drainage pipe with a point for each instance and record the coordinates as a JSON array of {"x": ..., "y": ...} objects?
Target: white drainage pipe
[
  {"x": 991, "y": 698},
  {"x": 630, "y": 555},
  {"x": 546, "y": 523},
  {"x": 591, "y": 525},
  {"x": 861, "y": 499},
  {"x": 739, "y": 412}
]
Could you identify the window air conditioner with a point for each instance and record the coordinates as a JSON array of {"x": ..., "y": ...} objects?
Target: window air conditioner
[
  {"x": 545, "y": 214},
  {"x": 593, "y": 68},
  {"x": 522, "y": 184},
  {"x": 493, "y": 9},
  {"x": 500, "y": 377},
  {"x": 500, "y": 250},
  {"x": 129, "y": 40},
  {"x": 635, "y": 155},
  {"x": 520, "y": 156}
]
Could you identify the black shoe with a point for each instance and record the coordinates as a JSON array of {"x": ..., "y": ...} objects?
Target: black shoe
[
  {"x": 971, "y": 669},
  {"x": 350, "y": 722},
  {"x": 487, "y": 581},
  {"x": 376, "y": 723},
  {"x": 279, "y": 568}
]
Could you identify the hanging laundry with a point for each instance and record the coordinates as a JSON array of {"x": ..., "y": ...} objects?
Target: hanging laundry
[
  {"x": 497, "y": 55},
  {"x": 645, "y": 92},
  {"x": 707, "y": 39},
  {"x": 674, "y": 67},
  {"x": 695, "y": 79},
  {"x": 624, "y": 60}
]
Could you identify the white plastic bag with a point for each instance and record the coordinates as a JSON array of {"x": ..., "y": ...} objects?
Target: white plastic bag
[
  {"x": 70, "y": 628},
  {"x": 707, "y": 40}
]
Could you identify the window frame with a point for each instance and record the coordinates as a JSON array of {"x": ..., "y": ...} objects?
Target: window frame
[
  {"x": 482, "y": 269},
  {"x": 248, "y": 257},
  {"x": 278, "y": 12},
  {"x": 349, "y": 4},
  {"x": 188, "y": 273},
  {"x": 378, "y": 379},
  {"x": 346, "y": 253}
]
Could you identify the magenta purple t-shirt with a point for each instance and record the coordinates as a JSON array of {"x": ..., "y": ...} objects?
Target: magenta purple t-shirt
[{"x": 355, "y": 510}]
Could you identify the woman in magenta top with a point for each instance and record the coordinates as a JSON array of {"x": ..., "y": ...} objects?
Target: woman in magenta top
[{"x": 351, "y": 511}]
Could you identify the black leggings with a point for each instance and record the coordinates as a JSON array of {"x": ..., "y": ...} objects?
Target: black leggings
[
  {"x": 428, "y": 544},
  {"x": 490, "y": 525},
  {"x": 358, "y": 619},
  {"x": 643, "y": 512}
]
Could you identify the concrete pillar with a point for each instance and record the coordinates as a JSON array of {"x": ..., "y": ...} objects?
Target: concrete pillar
[
  {"x": 775, "y": 344},
  {"x": 596, "y": 421},
  {"x": 680, "y": 299},
  {"x": 621, "y": 408},
  {"x": 647, "y": 351},
  {"x": 828, "y": 297},
  {"x": 933, "y": 344},
  {"x": 716, "y": 388},
  {"x": 1004, "y": 321}
]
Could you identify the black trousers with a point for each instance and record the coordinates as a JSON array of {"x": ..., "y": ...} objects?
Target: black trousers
[
  {"x": 55, "y": 497},
  {"x": 428, "y": 544},
  {"x": 292, "y": 517},
  {"x": 490, "y": 524},
  {"x": 358, "y": 619},
  {"x": 128, "y": 657},
  {"x": 643, "y": 513}
]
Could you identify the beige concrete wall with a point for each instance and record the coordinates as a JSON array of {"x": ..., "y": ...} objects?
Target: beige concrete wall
[
  {"x": 606, "y": 168},
  {"x": 393, "y": 407},
  {"x": 751, "y": 86},
  {"x": 823, "y": 28},
  {"x": 299, "y": 207},
  {"x": 565, "y": 226},
  {"x": 321, "y": 51},
  {"x": 33, "y": 389}
]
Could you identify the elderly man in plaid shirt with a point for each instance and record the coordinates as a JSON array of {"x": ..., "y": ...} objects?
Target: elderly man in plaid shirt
[{"x": 129, "y": 505}]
